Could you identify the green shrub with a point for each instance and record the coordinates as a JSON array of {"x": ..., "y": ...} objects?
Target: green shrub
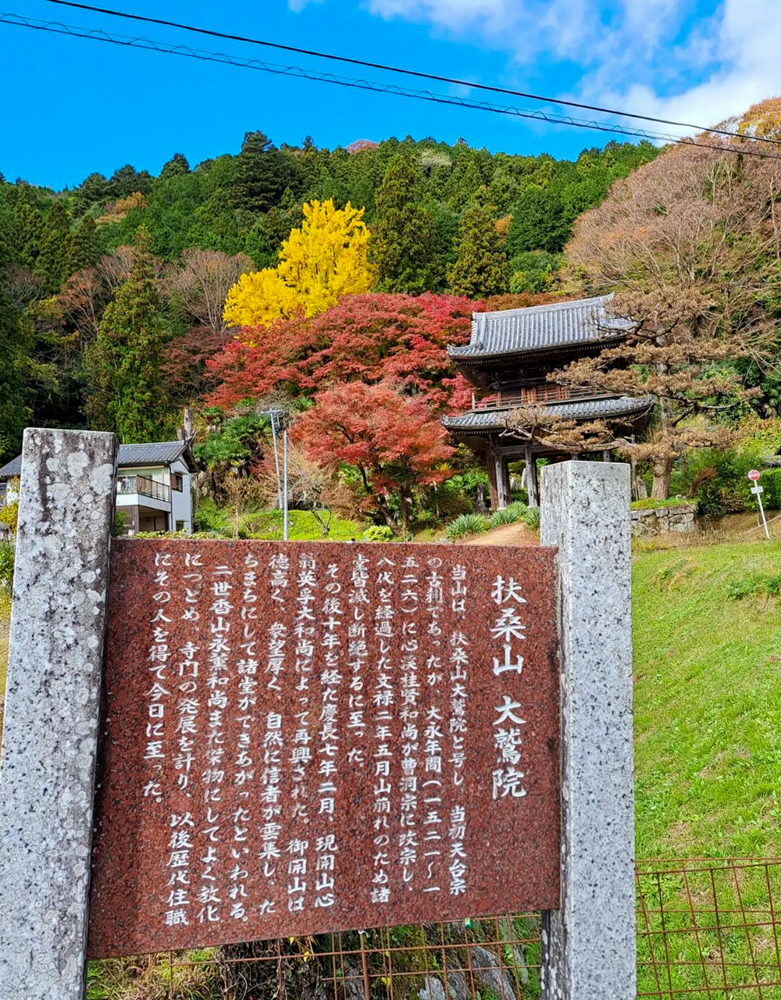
[
  {"x": 771, "y": 480},
  {"x": 747, "y": 586},
  {"x": 535, "y": 271},
  {"x": 377, "y": 533},
  {"x": 466, "y": 524},
  {"x": 773, "y": 586},
  {"x": 717, "y": 481},
  {"x": 207, "y": 516},
  {"x": 6, "y": 565},
  {"x": 532, "y": 517},
  {"x": 504, "y": 516},
  {"x": 509, "y": 515},
  {"x": 121, "y": 523}
]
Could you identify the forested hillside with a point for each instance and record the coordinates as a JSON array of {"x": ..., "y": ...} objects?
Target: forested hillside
[{"x": 442, "y": 218}]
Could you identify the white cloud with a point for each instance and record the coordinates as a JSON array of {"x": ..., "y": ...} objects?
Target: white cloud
[
  {"x": 740, "y": 65},
  {"x": 649, "y": 56}
]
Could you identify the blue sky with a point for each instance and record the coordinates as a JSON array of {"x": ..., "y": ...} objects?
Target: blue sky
[{"x": 74, "y": 106}]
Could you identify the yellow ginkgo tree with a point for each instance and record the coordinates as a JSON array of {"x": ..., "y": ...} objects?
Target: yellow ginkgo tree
[{"x": 318, "y": 264}]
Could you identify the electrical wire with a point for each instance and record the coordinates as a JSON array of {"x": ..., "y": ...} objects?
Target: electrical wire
[
  {"x": 406, "y": 72},
  {"x": 94, "y": 34}
]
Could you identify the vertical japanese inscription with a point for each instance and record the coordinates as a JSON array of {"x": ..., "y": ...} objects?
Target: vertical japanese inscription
[{"x": 303, "y": 738}]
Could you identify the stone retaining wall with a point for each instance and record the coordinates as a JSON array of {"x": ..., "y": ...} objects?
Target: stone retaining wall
[{"x": 655, "y": 520}]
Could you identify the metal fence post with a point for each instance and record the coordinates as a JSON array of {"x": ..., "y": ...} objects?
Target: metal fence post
[
  {"x": 52, "y": 706},
  {"x": 589, "y": 945}
]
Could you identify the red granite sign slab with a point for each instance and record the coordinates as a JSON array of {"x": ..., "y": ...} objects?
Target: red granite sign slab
[{"x": 303, "y": 738}]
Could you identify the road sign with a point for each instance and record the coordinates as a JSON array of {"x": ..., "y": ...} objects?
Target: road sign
[{"x": 756, "y": 489}]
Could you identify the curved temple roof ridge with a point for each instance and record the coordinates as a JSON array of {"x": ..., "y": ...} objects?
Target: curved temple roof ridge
[
  {"x": 540, "y": 328},
  {"x": 479, "y": 421}
]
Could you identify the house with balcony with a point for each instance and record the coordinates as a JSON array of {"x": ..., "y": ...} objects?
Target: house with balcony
[
  {"x": 154, "y": 490},
  {"x": 508, "y": 360}
]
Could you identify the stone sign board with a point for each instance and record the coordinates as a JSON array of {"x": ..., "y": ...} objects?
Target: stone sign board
[
  {"x": 312, "y": 737},
  {"x": 302, "y": 738}
]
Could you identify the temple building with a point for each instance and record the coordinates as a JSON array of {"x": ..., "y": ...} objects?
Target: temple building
[{"x": 508, "y": 359}]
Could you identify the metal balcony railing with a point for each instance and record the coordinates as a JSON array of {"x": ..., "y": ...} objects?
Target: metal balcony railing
[{"x": 144, "y": 486}]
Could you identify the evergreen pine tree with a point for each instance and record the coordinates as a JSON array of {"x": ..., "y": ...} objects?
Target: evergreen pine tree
[
  {"x": 539, "y": 222},
  {"x": 261, "y": 174},
  {"x": 93, "y": 189},
  {"x": 464, "y": 184},
  {"x": 127, "y": 180},
  {"x": 83, "y": 247},
  {"x": 15, "y": 411},
  {"x": 175, "y": 167},
  {"x": 9, "y": 250},
  {"x": 127, "y": 391},
  {"x": 481, "y": 267},
  {"x": 28, "y": 232},
  {"x": 53, "y": 246},
  {"x": 404, "y": 235}
]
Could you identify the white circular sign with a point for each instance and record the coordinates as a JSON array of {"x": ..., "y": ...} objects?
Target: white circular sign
[{"x": 754, "y": 475}]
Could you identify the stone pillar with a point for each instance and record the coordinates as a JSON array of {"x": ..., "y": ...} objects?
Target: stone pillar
[
  {"x": 52, "y": 705},
  {"x": 532, "y": 486},
  {"x": 588, "y": 946}
]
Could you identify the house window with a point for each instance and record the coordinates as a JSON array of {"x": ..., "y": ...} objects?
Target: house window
[
  {"x": 177, "y": 482},
  {"x": 180, "y": 525}
]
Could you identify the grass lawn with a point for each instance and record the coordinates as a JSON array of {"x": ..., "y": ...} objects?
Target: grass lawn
[
  {"x": 707, "y": 661},
  {"x": 302, "y": 526}
]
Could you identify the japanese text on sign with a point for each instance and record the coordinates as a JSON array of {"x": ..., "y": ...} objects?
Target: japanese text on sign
[{"x": 304, "y": 738}]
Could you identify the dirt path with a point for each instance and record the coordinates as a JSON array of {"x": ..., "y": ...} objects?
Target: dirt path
[{"x": 506, "y": 534}]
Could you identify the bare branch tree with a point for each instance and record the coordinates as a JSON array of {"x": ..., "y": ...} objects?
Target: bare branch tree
[
  {"x": 691, "y": 245},
  {"x": 203, "y": 279}
]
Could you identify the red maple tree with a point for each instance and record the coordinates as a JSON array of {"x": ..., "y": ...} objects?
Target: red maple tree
[
  {"x": 369, "y": 338},
  {"x": 389, "y": 438}
]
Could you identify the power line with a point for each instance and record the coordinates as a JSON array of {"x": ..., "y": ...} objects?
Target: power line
[
  {"x": 406, "y": 72},
  {"x": 297, "y": 72}
]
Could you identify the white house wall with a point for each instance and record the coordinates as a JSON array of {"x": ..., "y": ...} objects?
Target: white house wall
[
  {"x": 182, "y": 503},
  {"x": 141, "y": 499}
]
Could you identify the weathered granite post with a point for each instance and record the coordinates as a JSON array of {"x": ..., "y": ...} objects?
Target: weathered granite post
[
  {"x": 589, "y": 946},
  {"x": 50, "y": 738}
]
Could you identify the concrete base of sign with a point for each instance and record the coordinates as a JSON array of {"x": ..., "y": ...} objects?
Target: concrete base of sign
[
  {"x": 588, "y": 946},
  {"x": 52, "y": 711}
]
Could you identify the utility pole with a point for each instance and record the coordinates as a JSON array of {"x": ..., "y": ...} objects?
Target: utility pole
[{"x": 278, "y": 420}]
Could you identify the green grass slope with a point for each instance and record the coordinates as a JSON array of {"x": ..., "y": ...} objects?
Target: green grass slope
[{"x": 707, "y": 661}]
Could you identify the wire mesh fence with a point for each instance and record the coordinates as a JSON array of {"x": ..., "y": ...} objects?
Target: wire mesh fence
[
  {"x": 705, "y": 928},
  {"x": 709, "y": 928}
]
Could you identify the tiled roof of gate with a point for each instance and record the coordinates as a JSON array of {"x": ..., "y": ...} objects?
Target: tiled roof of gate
[
  {"x": 589, "y": 409},
  {"x": 151, "y": 453},
  {"x": 518, "y": 331}
]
